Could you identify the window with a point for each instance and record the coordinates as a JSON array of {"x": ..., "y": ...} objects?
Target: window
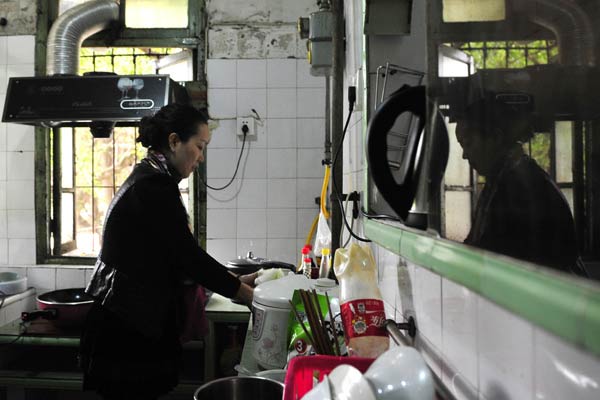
[
  {"x": 82, "y": 174},
  {"x": 92, "y": 169}
]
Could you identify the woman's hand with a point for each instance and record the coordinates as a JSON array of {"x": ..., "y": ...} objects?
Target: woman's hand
[
  {"x": 249, "y": 279},
  {"x": 245, "y": 294}
]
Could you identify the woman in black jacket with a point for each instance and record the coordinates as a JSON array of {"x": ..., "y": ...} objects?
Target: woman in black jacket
[{"x": 130, "y": 347}]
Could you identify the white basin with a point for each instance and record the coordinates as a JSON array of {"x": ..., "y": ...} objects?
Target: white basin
[{"x": 12, "y": 283}]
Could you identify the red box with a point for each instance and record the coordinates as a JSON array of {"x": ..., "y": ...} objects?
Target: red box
[{"x": 302, "y": 369}]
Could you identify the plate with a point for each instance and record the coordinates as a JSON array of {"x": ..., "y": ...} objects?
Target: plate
[{"x": 348, "y": 383}]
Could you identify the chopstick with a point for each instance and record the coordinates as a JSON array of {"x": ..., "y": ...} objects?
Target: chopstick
[
  {"x": 323, "y": 327},
  {"x": 299, "y": 319}
]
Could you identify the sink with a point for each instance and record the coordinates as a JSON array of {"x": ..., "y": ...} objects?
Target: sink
[{"x": 12, "y": 283}]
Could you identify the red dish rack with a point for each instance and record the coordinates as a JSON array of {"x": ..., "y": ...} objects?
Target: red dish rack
[{"x": 301, "y": 370}]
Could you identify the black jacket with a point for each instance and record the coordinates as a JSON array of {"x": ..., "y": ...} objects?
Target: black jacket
[{"x": 147, "y": 251}]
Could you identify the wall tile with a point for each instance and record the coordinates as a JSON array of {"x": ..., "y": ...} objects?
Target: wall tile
[
  {"x": 251, "y": 73},
  {"x": 253, "y": 193},
  {"x": 281, "y": 193},
  {"x": 305, "y": 219},
  {"x": 309, "y": 163},
  {"x": 13, "y": 311},
  {"x": 505, "y": 350},
  {"x": 67, "y": 278},
  {"x": 220, "y": 163},
  {"x": 459, "y": 336},
  {"x": 281, "y": 103},
  {"x": 20, "y": 137},
  {"x": 3, "y": 79},
  {"x": 41, "y": 277},
  {"x": 221, "y": 250},
  {"x": 281, "y": 133},
  {"x": 428, "y": 305},
  {"x": 222, "y": 103},
  {"x": 21, "y": 49},
  {"x": 21, "y": 224},
  {"x": 20, "y": 195},
  {"x": 304, "y": 79},
  {"x": 563, "y": 371},
  {"x": 19, "y": 166},
  {"x": 3, "y": 251},
  {"x": 252, "y": 223},
  {"x": 19, "y": 70},
  {"x": 21, "y": 251},
  {"x": 248, "y": 99},
  {"x": 3, "y": 194},
  {"x": 307, "y": 190},
  {"x": 282, "y": 250},
  {"x": 281, "y": 73},
  {"x": 311, "y": 132},
  {"x": 221, "y": 224},
  {"x": 281, "y": 223},
  {"x": 226, "y": 198},
  {"x": 3, "y": 50},
  {"x": 3, "y": 224},
  {"x": 221, "y": 73},
  {"x": 310, "y": 103},
  {"x": 254, "y": 164},
  {"x": 3, "y": 165},
  {"x": 88, "y": 275},
  {"x": 224, "y": 135},
  {"x": 387, "y": 281},
  {"x": 258, "y": 247},
  {"x": 281, "y": 163}
]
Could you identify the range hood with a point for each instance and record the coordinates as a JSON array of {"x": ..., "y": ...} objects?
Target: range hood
[
  {"x": 80, "y": 100},
  {"x": 98, "y": 100}
]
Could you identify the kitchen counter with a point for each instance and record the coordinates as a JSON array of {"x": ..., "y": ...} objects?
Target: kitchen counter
[{"x": 38, "y": 355}]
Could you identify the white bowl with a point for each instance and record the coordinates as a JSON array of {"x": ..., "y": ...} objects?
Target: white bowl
[
  {"x": 401, "y": 373},
  {"x": 348, "y": 383},
  {"x": 321, "y": 391},
  {"x": 12, "y": 283}
]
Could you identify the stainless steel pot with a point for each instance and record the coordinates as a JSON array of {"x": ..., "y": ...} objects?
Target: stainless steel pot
[
  {"x": 250, "y": 264},
  {"x": 240, "y": 388}
]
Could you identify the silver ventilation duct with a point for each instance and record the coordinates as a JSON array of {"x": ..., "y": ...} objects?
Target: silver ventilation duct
[
  {"x": 571, "y": 25},
  {"x": 71, "y": 29}
]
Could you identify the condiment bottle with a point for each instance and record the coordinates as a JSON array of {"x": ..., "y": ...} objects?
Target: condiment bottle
[
  {"x": 306, "y": 263},
  {"x": 325, "y": 263},
  {"x": 361, "y": 303}
]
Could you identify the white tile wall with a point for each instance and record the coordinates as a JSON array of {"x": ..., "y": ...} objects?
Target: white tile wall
[
  {"x": 256, "y": 246},
  {"x": 310, "y": 103},
  {"x": 281, "y": 163},
  {"x": 3, "y": 251},
  {"x": 282, "y": 193},
  {"x": 221, "y": 73},
  {"x": 281, "y": 73},
  {"x": 304, "y": 79},
  {"x": 67, "y": 278},
  {"x": 222, "y": 103},
  {"x": 19, "y": 195},
  {"x": 253, "y": 193},
  {"x": 282, "y": 250},
  {"x": 281, "y": 223},
  {"x": 252, "y": 223},
  {"x": 223, "y": 135},
  {"x": 21, "y": 224},
  {"x": 281, "y": 133},
  {"x": 221, "y": 224},
  {"x": 21, "y": 251},
  {"x": 20, "y": 49},
  {"x": 251, "y": 73},
  {"x": 281, "y": 103},
  {"x": 311, "y": 132},
  {"x": 248, "y": 99}
]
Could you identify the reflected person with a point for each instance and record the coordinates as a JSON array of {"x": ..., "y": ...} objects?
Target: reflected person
[{"x": 521, "y": 212}]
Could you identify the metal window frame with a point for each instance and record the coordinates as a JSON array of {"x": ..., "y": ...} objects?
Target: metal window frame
[{"x": 194, "y": 38}]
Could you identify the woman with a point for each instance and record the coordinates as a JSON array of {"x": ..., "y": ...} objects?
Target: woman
[
  {"x": 130, "y": 347},
  {"x": 520, "y": 212}
]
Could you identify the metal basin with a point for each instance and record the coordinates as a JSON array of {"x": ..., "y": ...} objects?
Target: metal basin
[
  {"x": 240, "y": 388},
  {"x": 12, "y": 283}
]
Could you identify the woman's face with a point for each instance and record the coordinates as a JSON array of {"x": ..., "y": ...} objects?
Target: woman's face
[
  {"x": 186, "y": 156},
  {"x": 479, "y": 151}
]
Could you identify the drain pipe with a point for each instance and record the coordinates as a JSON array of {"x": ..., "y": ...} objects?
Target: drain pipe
[
  {"x": 70, "y": 30},
  {"x": 570, "y": 24},
  {"x": 337, "y": 117}
]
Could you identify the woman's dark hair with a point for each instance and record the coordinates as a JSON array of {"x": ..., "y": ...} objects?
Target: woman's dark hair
[
  {"x": 506, "y": 113},
  {"x": 179, "y": 118}
]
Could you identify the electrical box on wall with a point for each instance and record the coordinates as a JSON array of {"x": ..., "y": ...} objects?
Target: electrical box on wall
[
  {"x": 388, "y": 17},
  {"x": 246, "y": 125},
  {"x": 318, "y": 30}
]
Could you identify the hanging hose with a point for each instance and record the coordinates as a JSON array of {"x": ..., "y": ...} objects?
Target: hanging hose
[{"x": 324, "y": 191}]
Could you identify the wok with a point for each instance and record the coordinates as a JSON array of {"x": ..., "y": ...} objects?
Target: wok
[{"x": 64, "y": 308}]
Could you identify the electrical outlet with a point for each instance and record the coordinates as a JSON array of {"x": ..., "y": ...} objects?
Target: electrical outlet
[{"x": 250, "y": 122}]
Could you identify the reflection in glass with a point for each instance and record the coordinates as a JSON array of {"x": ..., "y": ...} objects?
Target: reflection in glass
[{"x": 520, "y": 211}]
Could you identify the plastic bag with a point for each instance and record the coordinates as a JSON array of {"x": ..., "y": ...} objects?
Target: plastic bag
[{"x": 323, "y": 238}]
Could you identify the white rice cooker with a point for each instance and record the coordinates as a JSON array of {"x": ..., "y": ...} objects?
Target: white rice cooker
[{"x": 271, "y": 313}]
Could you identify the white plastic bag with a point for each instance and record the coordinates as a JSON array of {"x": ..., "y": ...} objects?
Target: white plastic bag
[{"x": 323, "y": 238}]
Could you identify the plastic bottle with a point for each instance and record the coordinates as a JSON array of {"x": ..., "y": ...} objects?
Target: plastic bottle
[
  {"x": 361, "y": 304},
  {"x": 306, "y": 263},
  {"x": 316, "y": 261},
  {"x": 325, "y": 263}
]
